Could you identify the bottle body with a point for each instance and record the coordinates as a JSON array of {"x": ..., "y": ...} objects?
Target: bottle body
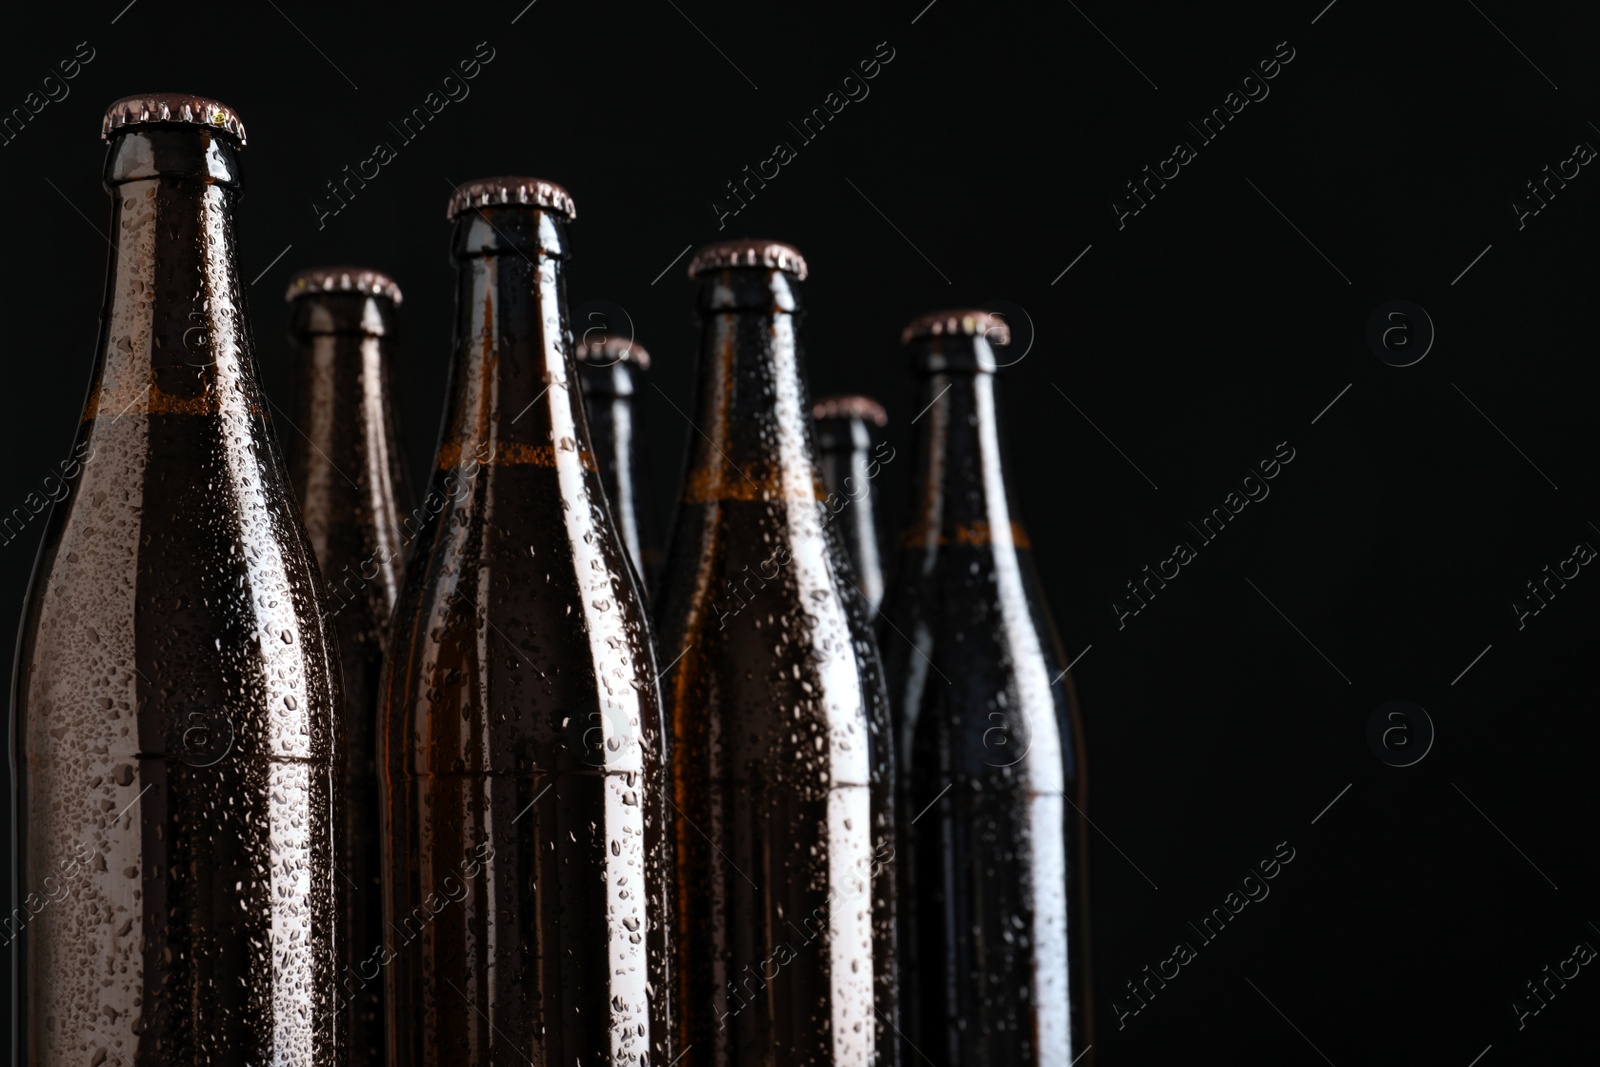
[
  {"x": 781, "y": 756},
  {"x": 346, "y": 468},
  {"x": 989, "y": 746},
  {"x": 176, "y": 703},
  {"x": 522, "y": 742}
]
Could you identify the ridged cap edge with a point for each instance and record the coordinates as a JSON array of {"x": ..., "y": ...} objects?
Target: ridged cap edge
[
  {"x": 150, "y": 108},
  {"x": 496, "y": 192},
  {"x": 343, "y": 280},
  {"x": 773, "y": 255},
  {"x": 970, "y": 322},
  {"x": 611, "y": 351},
  {"x": 850, "y": 406}
]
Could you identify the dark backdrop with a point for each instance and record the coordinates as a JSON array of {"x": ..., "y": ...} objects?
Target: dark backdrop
[{"x": 1219, "y": 321}]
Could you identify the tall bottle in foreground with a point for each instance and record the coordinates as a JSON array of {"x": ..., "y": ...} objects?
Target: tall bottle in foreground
[
  {"x": 609, "y": 369},
  {"x": 850, "y": 460},
  {"x": 781, "y": 753},
  {"x": 988, "y": 740},
  {"x": 176, "y": 711},
  {"x": 345, "y": 464},
  {"x": 522, "y": 746}
]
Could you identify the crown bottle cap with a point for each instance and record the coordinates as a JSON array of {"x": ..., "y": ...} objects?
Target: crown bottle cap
[
  {"x": 497, "y": 192},
  {"x": 773, "y": 255},
  {"x": 613, "y": 349},
  {"x": 970, "y": 322},
  {"x": 153, "y": 109},
  {"x": 850, "y": 406},
  {"x": 343, "y": 280}
]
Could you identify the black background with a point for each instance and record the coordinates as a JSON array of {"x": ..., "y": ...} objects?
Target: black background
[{"x": 1196, "y": 338}]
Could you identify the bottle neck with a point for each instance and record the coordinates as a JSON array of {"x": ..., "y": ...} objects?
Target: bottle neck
[
  {"x": 513, "y": 395},
  {"x": 608, "y": 393},
  {"x": 961, "y": 494},
  {"x": 754, "y": 438},
  {"x": 848, "y": 463},
  {"x": 175, "y": 336},
  {"x": 344, "y": 458}
]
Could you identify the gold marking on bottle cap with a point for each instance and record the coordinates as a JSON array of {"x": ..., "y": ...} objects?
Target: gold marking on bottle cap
[{"x": 148, "y": 109}]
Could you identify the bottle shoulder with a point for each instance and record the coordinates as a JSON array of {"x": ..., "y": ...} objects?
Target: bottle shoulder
[
  {"x": 974, "y": 663},
  {"x": 770, "y": 658},
  {"x": 126, "y": 654},
  {"x": 765, "y": 564},
  {"x": 948, "y": 589},
  {"x": 512, "y": 631},
  {"x": 180, "y": 512}
]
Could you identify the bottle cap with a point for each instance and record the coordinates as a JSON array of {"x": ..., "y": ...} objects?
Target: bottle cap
[
  {"x": 343, "y": 280},
  {"x": 612, "y": 350},
  {"x": 149, "y": 109},
  {"x": 773, "y": 255},
  {"x": 971, "y": 322},
  {"x": 850, "y": 407},
  {"x": 494, "y": 192}
]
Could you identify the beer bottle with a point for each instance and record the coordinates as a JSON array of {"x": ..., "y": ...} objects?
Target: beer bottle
[
  {"x": 522, "y": 744},
  {"x": 345, "y": 464},
  {"x": 849, "y": 462},
  {"x": 609, "y": 367},
  {"x": 988, "y": 741},
  {"x": 176, "y": 710},
  {"x": 781, "y": 754}
]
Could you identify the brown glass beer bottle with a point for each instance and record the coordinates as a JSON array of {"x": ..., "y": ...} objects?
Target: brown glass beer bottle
[
  {"x": 850, "y": 461},
  {"x": 609, "y": 369},
  {"x": 176, "y": 711},
  {"x": 346, "y": 468},
  {"x": 522, "y": 744},
  {"x": 781, "y": 755},
  {"x": 988, "y": 742}
]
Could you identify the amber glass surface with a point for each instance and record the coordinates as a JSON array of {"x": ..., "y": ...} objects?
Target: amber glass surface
[
  {"x": 610, "y": 391},
  {"x": 989, "y": 749},
  {"x": 850, "y": 463},
  {"x": 522, "y": 744},
  {"x": 781, "y": 761},
  {"x": 345, "y": 465},
  {"x": 175, "y": 716}
]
